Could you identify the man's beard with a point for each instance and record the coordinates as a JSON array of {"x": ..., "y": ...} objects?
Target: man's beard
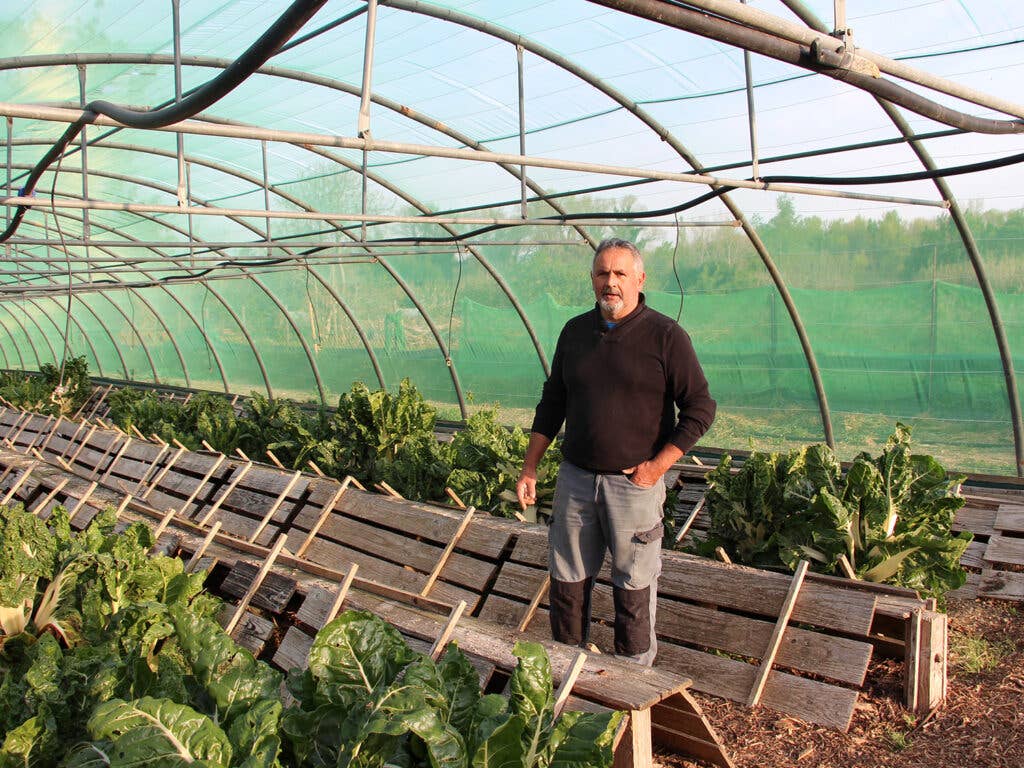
[{"x": 610, "y": 303}]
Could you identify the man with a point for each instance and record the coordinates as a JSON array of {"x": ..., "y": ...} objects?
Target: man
[{"x": 618, "y": 376}]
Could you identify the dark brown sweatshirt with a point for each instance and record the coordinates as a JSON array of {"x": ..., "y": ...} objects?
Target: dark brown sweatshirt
[{"x": 617, "y": 390}]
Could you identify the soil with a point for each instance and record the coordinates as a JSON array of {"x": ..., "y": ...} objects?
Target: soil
[{"x": 981, "y": 723}]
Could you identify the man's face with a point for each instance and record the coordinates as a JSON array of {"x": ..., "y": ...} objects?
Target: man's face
[{"x": 617, "y": 283}]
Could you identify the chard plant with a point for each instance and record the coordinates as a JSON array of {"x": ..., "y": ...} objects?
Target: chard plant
[
  {"x": 890, "y": 516},
  {"x": 140, "y": 673}
]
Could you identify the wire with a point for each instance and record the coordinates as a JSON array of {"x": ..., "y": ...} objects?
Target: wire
[
  {"x": 675, "y": 271},
  {"x": 455, "y": 293}
]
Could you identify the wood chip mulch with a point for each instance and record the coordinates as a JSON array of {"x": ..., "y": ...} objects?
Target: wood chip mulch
[{"x": 980, "y": 725}]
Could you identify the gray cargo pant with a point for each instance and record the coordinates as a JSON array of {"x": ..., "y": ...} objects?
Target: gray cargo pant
[{"x": 593, "y": 513}]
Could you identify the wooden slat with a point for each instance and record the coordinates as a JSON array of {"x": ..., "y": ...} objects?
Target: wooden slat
[
  {"x": 776, "y": 639},
  {"x": 443, "y": 560},
  {"x": 239, "y": 473},
  {"x": 293, "y": 652},
  {"x": 679, "y": 723},
  {"x": 273, "y": 593},
  {"x": 1010, "y": 518},
  {"x": 264, "y": 570},
  {"x": 974, "y": 555},
  {"x": 1006, "y": 585},
  {"x": 568, "y": 681},
  {"x": 1005, "y": 549},
  {"x": 274, "y": 507},
  {"x": 217, "y": 462},
  {"x": 325, "y": 512},
  {"x": 201, "y": 551},
  {"x": 446, "y": 631},
  {"x": 401, "y": 548},
  {"x": 839, "y": 658},
  {"x": 977, "y": 520}
]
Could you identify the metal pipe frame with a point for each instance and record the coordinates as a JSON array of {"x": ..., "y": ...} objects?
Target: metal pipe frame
[
  {"x": 174, "y": 343},
  {"x": 63, "y": 115},
  {"x": 170, "y": 295}
]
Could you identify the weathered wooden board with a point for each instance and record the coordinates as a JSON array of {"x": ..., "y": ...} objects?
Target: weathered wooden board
[
  {"x": 838, "y": 658},
  {"x": 274, "y": 593},
  {"x": 403, "y": 547},
  {"x": 1005, "y": 549},
  {"x": 1010, "y": 518},
  {"x": 1006, "y": 585},
  {"x": 974, "y": 555},
  {"x": 293, "y": 651},
  {"x": 977, "y": 520},
  {"x": 486, "y": 537},
  {"x": 341, "y": 558}
]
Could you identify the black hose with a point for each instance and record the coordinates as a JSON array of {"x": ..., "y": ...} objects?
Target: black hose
[{"x": 290, "y": 22}]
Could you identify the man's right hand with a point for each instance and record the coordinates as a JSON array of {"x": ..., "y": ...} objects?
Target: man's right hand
[
  {"x": 526, "y": 488},
  {"x": 526, "y": 485}
]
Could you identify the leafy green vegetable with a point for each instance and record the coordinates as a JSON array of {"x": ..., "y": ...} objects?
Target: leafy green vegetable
[{"x": 890, "y": 516}]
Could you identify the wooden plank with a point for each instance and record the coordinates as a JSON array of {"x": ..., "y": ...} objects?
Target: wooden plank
[
  {"x": 932, "y": 666},
  {"x": 635, "y": 749},
  {"x": 1005, "y": 549},
  {"x": 293, "y": 652},
  {"x": 568, "y": 680},
  {"x": 443, "y": 560},
  {"x": 346, "y": 585},
  {"x": 315, "y": 607},
  {"x": 1010, "y": 518},
  {"x": 978, "y": 520},
  {"x": 678, "y": 722},
  {"x": 41, "y": 506},
  {"x": 201, "y": 551},
  {"x": 1005, "y": 585},
  {"x": 117, "y": 457},
  {"x": 257, "y": 582},
  {"x": 848, "y": 608},
  {"x": 531, "y": 610},
  {"x": 337, "y": 556},
  {"x": 273, "y": 592},
  {"x": 974, "y": 555},
  {"x": 814, "y": 701},
  {"x": 485, "y": 536},
  {"x": 218, "y": 461},
  {"x": 253, "y": 632},
  {"x": 776, "y": 639},
  {"x": 401, "y": 549},
  {"x": 446, "y": 631}
]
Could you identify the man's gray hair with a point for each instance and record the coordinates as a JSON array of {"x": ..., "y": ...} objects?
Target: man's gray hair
[{"x": 618, "y": 242}]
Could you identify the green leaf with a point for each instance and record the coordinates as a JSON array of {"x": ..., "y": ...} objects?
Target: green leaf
[
  {"x": 233, "y": 677},
  {"x": 354, "y": 655},
  {"x": 503, "y": 748},
  {"x": 149, "y": 730},
  {"x": 583, "y": 739},
  {"x": 254, "y": 733}
]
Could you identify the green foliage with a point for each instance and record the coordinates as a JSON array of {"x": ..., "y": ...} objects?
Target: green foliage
[
  {"x": 366, "y": 699},
  {"x": 487, "y": 457},
  {"x": 151, "y": 678},
  {"x": 49, "y": 393},
  {"x": 280, "y": 426},
  {"x": 890, "y": 516},
  {"x": 379, "y": 436}
]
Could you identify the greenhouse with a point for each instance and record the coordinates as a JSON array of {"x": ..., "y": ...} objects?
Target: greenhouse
[
  {"x": 255, "y": 197},
  {"x": 316, "y": 451}
]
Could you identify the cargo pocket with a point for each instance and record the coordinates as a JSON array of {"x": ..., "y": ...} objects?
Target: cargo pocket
[{"x": 646, "y": 556}]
